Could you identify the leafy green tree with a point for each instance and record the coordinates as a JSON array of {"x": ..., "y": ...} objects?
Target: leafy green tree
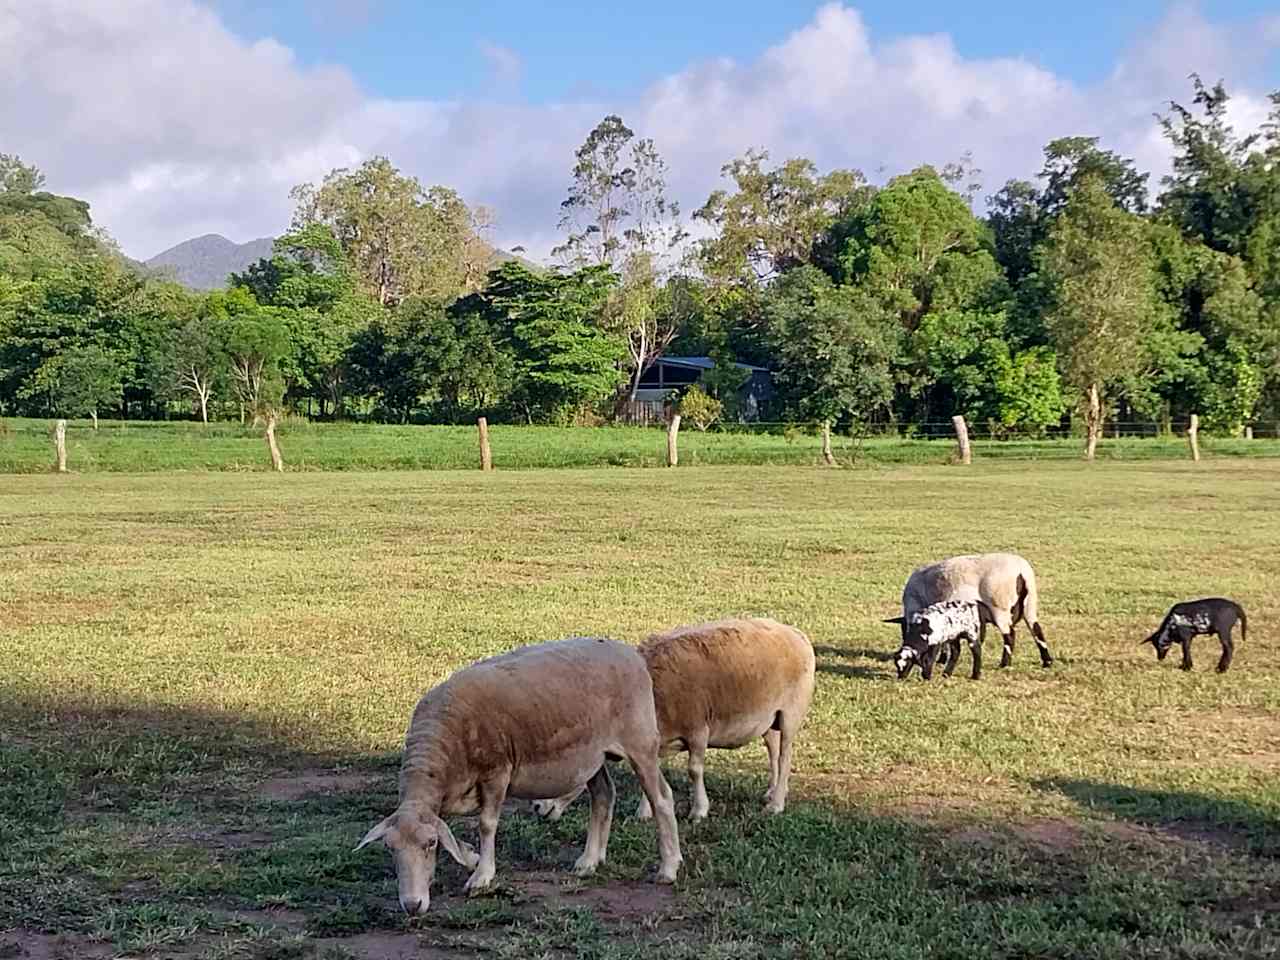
[
  {"x": 700, "y": 409},
  {"x": 563, "y": 361},
  {"x": 257, "y": 344},
  {"x": 832, "y": 346},
  {"x": 1026, "y": 394},
  {"x": 775, "y": 219},
  {"x": 401, "y": 240},
  {"x": 78, "y": 382},
  {"x": 1098, "y": 264}
]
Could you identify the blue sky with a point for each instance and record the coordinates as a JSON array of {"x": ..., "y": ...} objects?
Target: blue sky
[
  {"x": 176, "y": 118},
  {"x": 569, "y": 49}
]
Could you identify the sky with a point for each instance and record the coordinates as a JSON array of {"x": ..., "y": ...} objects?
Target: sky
[{"x": 176, "y": 118}]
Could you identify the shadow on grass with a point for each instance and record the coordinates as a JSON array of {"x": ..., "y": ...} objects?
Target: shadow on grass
[
  {"x": 1247, "y": 826},
  {"x": 855, "y": 671}
]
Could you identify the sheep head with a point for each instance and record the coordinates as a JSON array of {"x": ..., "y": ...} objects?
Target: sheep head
[{"x": 413, "y": 837}]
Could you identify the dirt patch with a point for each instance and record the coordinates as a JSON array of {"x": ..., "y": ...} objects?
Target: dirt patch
[
  {"x": 28, "y": 945},
  {"x": 615, "y": 901},
  {"x": 306, "y": 783},
  {"x": 391, "y": 946},
  {"x": 1051, "y": 833}
]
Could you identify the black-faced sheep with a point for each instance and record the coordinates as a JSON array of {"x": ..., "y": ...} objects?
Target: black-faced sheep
[
  {"x": 721, "y": 685},
  {"x": 1209, "y": 616},
  {"x": 536, "y": 722},
  {"x": 941, "y": 627},
  {"x": 1005, "y": 582}
]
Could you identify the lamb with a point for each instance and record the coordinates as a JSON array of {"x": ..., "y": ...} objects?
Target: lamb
[
  {"x": 941, "y": 627},
  {"x": 1211, "y": 615},
  {"x": 721, "y": 685},
  {"x": 1005, "y": 582},
  {"x": 535, "y": 722}
]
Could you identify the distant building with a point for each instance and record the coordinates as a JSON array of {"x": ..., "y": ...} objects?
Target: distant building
[{"x": 668, "y": 374}]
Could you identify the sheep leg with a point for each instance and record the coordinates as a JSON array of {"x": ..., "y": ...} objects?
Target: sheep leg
[
  {"x": 602, "y": 796},
  {"x": 697, "y": 762},
  {"x": 771, "y": 744},
  {"x": 1046, "y": 658},
  {"x": 492, "y": 793},
  {"x": 975, "y": 648},
  {"x": 658, "y": 793},
  {"x": 1006, "y": 656},
  {"x": 643, "y": 810},
  {"x": 952, "y": 649},
  {"x": 1184, "y": 638},
  {"x": 786, "y": 738},
  {"x": 1228, "y": 648}
]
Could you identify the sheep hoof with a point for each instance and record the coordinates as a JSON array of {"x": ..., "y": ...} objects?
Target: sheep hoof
[
  {"x": 584, "y": 866},
  {"x": 698, "y": 814},
  {"x": 667, "y": 874},
  {"x": 773, "y": 808},
  {"x": 478, "y": 884}
]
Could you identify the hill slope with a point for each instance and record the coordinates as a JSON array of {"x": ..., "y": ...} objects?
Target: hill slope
[{"x": 205, "y": 262}]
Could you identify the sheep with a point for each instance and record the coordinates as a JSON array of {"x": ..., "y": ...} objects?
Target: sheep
[
  {"x": 721, "y": 685},
  {"x": 941, "y": 627},
  {"x": 533, "y": 722},
  {"x": 1211, "y": 615},
  {"x": 1005, "y": 582}
]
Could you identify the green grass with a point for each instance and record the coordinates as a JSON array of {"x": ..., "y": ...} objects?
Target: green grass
[
  {"x": 135, "y": 447},
  {"x": 205, "y": 678}
]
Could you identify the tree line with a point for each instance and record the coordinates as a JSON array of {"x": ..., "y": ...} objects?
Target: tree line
[{"x": 1080, "y": 294}]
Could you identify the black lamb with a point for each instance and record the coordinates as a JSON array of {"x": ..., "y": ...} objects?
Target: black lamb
[{"x": 1212, "y": 615}]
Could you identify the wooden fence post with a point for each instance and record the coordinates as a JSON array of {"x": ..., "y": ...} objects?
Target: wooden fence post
[
  {"x": 276, "y": 460},
  {"x": 1193, "y": 439},
  {"x": 60, "y": 444},
  {"x": 1248, "y": 433},
  {"x": 673, "y": 429},
  {"x": 486, "y": 457},
  {"x": 827, "y": 457},
  {"x": 962, "y": 439}
]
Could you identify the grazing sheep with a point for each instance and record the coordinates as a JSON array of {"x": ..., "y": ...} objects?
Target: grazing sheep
[
  {"x": 722, "y": 685},
  {"x": 941, "y": 627},
  {"x": 1005, "y": 582},
  {"x": 535, "y": 722},
  {"x": 1211, "y": 615}
]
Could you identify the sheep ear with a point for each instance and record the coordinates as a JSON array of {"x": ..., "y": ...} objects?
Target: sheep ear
[
  {"x": 461, "y": 852},
  {"x": 1151, "y": 639},
  {"x": 377, "y": 833},
  {"x": 896, "y": 620}
]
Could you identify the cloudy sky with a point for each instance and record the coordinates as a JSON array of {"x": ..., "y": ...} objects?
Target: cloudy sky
[{"x": 176, "y": 118}]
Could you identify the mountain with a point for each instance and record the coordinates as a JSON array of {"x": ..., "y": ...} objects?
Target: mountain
[{"x": 205, "y": 262}]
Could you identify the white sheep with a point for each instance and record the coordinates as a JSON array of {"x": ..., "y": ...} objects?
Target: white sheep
[
  {"x": 1005, "y": 582},
  {"x": 722, "y": 685},
  {"x": 535, "y": 722}
]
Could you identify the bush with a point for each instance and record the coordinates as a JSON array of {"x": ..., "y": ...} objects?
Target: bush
[{"x": 699, "y": 409}]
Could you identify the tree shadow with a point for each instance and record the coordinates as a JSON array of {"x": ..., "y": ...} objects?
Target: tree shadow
[{"x": 1187, "y": 815}]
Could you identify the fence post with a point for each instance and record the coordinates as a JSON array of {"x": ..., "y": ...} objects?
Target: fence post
[
  {"x": 1193, "y": 437},
  {"x": 486, "y": 458},
  {"x": 60, "y": 444},
  {"x": 673, "y": 428},
  {"x": 276, "y": 462},
  {"x": 827, "y": 457},
  {"x": 1248, "y": 433},
  {"x": 962, "y": 438}
]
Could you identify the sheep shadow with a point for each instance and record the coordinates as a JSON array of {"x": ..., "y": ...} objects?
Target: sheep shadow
[
  {"x": 1183, "y": 814},
  {"x": 855, "y": 671}
]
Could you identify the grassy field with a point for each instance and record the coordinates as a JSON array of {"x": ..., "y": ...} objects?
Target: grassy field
[
  {"x": 205, "y": 678},
  {"x": 136, "y": 447}
]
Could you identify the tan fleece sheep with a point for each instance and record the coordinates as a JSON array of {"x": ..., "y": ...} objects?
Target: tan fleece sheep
[
  {"x": 722, "y": 685},
  {"x": 1005, "y": 582},
  {"x": 535, "y": 722}
]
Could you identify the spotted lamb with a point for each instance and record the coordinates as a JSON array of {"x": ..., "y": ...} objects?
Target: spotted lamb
[{"x": 940, "y": 627}]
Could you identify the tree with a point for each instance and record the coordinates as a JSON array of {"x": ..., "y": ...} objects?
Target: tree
[
  {"x": 832, "y": 346},
  {"x": 257, "y": 343},
  {"x": 699, "y": 409},
  {"x": 80, "y": 381},
  {"x": 195, "y": 363},
  {"x": 1068, "y": 161},
  {"x": 1013, "y": 214},
  {"x": 19, "y": 178},
  {"x": 1098, "y": 264},
  {"x": 563, "y": 361},
  {"x": 400, "y": 239},
  {"x": 775, "y": 218}
]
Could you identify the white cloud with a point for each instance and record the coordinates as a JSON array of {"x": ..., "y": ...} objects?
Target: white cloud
[
  {"x": 506, "y": 64},
  {"x": 172, "y": 126}
]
